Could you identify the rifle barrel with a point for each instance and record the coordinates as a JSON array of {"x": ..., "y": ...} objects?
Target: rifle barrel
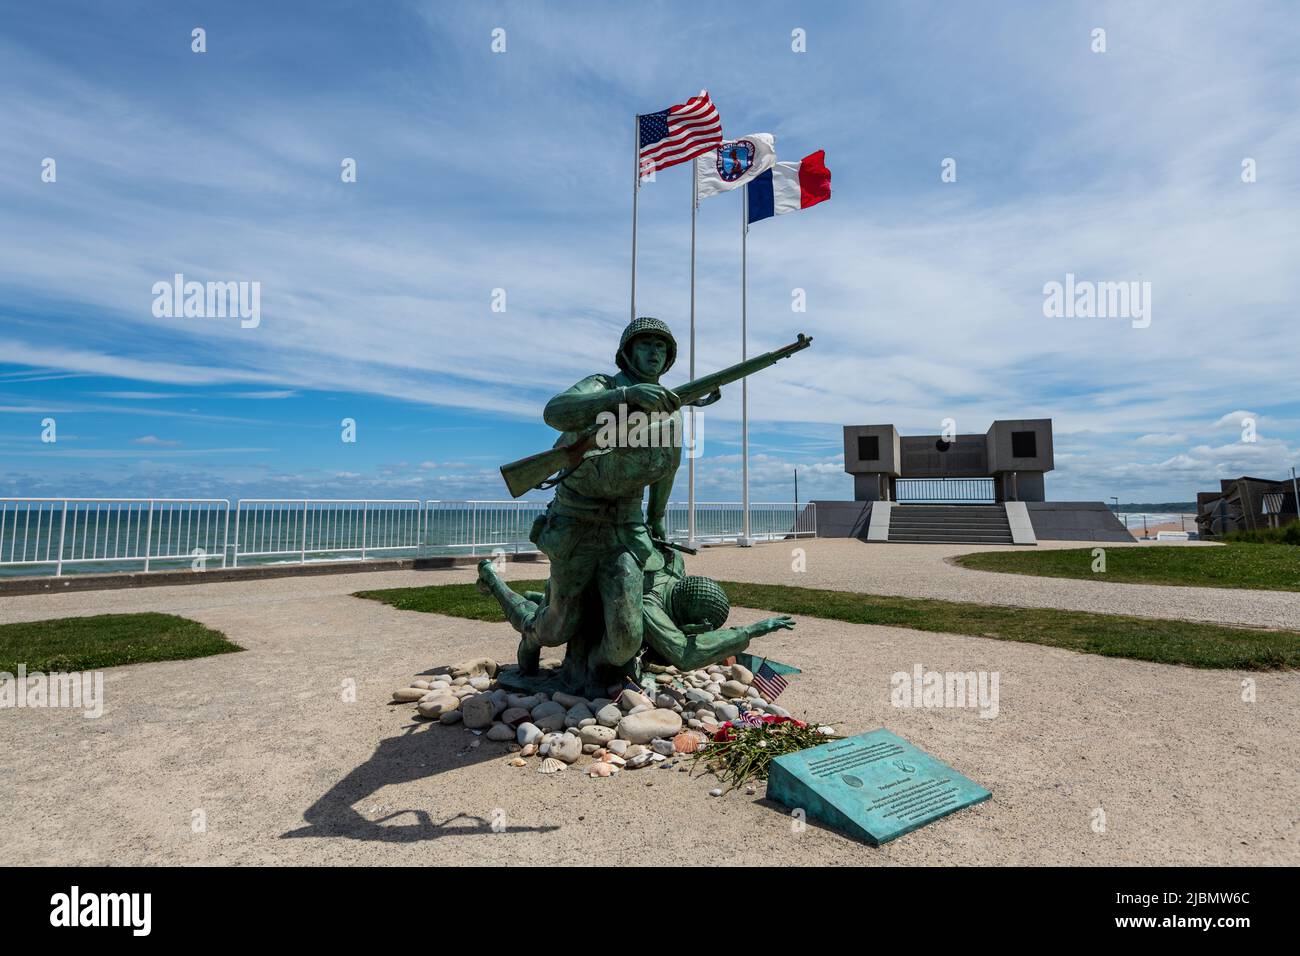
[
  {"x": 533, "y": 471},
  {"x": 698, "y": 388}
]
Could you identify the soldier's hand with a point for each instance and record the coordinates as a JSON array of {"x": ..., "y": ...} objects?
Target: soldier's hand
[
  {"x": 653, "y": 398},
  {"x": 783, "y": 623}
]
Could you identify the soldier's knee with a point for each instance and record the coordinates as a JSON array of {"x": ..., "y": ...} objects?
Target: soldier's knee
[
  {"x": 620, "y": 576},
  {"x": 555, "y": 623}
]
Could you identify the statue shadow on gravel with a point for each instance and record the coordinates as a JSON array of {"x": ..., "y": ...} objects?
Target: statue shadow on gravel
[{"x": 412, "y": 756}]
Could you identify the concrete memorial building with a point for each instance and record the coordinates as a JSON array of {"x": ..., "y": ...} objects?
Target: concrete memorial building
[
  {"x": 1012, "y": 455},
  {"x": 976, "y": 488}
]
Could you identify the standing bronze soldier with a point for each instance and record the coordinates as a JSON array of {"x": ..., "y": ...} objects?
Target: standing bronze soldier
[
  {"x": 594, "y": 531},
  {"x": 601, "y": 544}
]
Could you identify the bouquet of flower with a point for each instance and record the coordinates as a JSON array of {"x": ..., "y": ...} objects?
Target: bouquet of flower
[{"x": 742, "y": 750}]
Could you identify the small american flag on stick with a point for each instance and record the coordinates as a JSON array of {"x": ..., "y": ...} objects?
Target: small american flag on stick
[
  {"x": 678, "y": 133},
  {"x": 769, "y": 682},
  {"x": 629, "y": 685}
]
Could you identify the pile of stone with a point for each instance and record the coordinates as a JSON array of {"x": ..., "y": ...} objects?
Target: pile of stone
[{"x": 626, "y": 730}]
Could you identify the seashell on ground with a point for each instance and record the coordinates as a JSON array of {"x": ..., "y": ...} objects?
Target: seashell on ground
[
  {"x": 686, "y": 743},
  {"x": 602, "y": 770},
  {"x": 551, "y": 765},
  {"x": 613, "y": 759},
  {"x": 518, "y": 762}
]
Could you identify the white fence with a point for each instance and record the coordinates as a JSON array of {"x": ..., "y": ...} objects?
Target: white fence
[
  {"x": 74, "y": 534},
  {"x": 59, "y": 531},
  {"x": 338, "y": 528},
  {"x": 1150, "y": 524},
  {"x": 487, "y": 526},
  {"x": 719, "y": 521},
  {"x": 481, "y": 525},
  {"x": 945, "y": 490}
]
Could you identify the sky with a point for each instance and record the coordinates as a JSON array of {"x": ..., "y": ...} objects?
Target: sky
[{"x": 488, "y": 177}]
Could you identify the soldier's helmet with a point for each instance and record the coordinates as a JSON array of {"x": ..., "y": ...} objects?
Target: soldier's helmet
[
  {"x": 645, "y": 325},
  {"x": 699, "y": 600}
]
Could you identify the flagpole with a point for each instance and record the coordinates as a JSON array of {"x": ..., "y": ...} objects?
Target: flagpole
[
  {"x": 745, "y": 540},
  {"x": 636, "y": 190},
  {"x": 695, "y": 448}
]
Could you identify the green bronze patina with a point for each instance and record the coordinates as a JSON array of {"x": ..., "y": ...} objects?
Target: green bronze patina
[
  {"x": 609, "y": 592},
  {"x": 685, "y": 640}
]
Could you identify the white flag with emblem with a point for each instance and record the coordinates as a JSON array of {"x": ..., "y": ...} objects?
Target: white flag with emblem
[{"x": 733, "y": 163}]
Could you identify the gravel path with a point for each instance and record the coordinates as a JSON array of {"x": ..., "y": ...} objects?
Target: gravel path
[{"x": 264, "y": 749}]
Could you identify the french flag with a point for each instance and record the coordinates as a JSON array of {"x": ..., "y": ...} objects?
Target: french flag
[{"x": 789, "y": 187}]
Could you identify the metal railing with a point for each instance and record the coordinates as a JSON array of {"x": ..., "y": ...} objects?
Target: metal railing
[
  {"x": 717, "y": 521},
  {"x": 59, "y": 531},
  {"x": 489, "y": 526},
  {"x": 65, "y": 533},
  {"x": 337, "y": 528},
  {"x": 480, "y": 525},
  {"x": 1142, "y": 523},
  {"x": 944, "y": 490}
]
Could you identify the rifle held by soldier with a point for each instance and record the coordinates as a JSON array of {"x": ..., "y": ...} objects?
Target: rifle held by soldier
[{"x": 536, "y": 471}]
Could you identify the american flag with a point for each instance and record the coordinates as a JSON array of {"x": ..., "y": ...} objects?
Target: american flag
[
  {"x": 769, "y": 682},
  {"x": 678, "y": 133}
]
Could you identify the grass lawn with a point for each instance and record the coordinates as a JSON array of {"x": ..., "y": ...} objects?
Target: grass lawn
[
  {"x": 1111, "y": 635},
  {"x": 106, "y": 640},
  {"x": 454, "y": 600},
  {"x": 1270, "y": 567}
]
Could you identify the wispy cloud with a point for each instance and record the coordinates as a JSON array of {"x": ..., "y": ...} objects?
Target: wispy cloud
[{"x": 155, "y": 441}]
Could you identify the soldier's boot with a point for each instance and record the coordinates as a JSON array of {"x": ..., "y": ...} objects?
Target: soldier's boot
[
  {"x": 528, "y": 656},
  {"x": 519, "y": 610}
]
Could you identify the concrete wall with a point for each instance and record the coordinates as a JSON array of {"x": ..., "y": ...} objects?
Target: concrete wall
[
  {"x": 843, "y": 519},
  {"x": 1075, "y": 521},
  {"x": 875, "y": 487},
  {"x": 1051, "y": 520},
  {"x": 257, "y": 572},
  {"x": 966, "y": 457}
]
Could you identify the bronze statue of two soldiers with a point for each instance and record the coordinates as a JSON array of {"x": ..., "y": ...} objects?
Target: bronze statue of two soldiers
[{"x": 617, "y": 585}]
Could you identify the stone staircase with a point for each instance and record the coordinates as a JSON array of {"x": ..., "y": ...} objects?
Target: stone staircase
[{"x": 950, "y": 524}]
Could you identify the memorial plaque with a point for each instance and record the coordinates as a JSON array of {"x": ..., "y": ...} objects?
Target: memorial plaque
[{"x": 873, "y": 786}]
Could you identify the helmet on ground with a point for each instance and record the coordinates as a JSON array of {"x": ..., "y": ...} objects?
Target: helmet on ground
[
  {"x": 645, "y": 325},
  {"x": 699, "y": 600}
]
